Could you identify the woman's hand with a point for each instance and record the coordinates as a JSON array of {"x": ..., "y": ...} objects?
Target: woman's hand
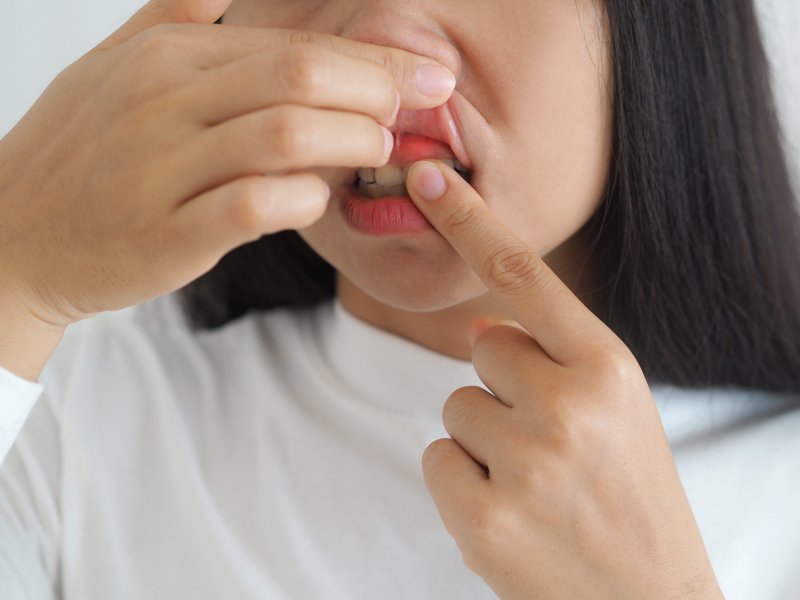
[
  {"x": 579, "y": 497},
  {"x": 176, "y": 140}
]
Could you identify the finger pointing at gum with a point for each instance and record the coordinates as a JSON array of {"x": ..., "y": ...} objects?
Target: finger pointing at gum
[{"x": 528, "y": 289}]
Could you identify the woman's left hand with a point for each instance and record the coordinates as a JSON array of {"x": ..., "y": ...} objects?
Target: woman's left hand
[{"x": 561, "y": 482}]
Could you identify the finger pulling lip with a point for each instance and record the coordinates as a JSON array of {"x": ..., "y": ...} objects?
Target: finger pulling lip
[{"x": 440, "y": 123}]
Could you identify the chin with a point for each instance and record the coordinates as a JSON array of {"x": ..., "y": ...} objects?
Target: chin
[
  {"x": 420, "y": 293},
  {"x": 405, "y": 277}
]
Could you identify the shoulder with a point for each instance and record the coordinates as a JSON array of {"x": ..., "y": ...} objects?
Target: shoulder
[{"x": 151, "y": 346}]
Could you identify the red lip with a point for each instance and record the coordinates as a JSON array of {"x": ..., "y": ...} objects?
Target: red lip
[
  {"x": 393, "y": 214},
  {"x": 410, "y": 147},
  {"x": 418, "y": 135},
  {"x": 439, "y": 124},
  {"x": 382, "y": 216}
]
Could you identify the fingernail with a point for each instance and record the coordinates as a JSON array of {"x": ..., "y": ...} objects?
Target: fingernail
[
  {"x": 388, "y": 142},
  {"x": 426, "y": 180},
  {"x": 434, "y": 80}
]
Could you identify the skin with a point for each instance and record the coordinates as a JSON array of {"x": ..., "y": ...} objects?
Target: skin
[
  {"x": 558, "y": 483},
  {"x": 169, "y": 144},
  {"x": 535, "y": 101}
]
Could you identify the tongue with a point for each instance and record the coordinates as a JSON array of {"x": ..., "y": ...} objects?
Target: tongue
[{"x": 410, "y": 147}]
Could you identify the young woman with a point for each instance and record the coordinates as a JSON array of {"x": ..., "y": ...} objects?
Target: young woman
[{"x": 326, "y": 423}]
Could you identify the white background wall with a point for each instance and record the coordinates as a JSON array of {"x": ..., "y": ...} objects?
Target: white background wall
[{"x": 38, "y": 38}]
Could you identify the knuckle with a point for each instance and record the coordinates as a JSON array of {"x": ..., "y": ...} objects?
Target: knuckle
[
  {"x": 155, "y": 40},
  {"x": 397, "y": 68},
  {"x": 459, "y": 409},
  {"x": 616, "y": 367},
  {"x": 462, "y": 220},
  {"x": 543, "y": 478},
  {"x": 433, "y": 453},
  {"x": 565, "y": 429},
  {"x": 488, "y": 528},
  {"x": 290, "y": 136},
  {"x": 515, "y": 267},
  {"x": 304, "y": 70},
  {"x": 149, "y": 63},
  {"x": 575, "y": 429},
  {"x": 300, "y": 37}
]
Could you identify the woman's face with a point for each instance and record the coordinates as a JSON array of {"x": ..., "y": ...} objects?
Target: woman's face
[{"x": 533, "y": 98}]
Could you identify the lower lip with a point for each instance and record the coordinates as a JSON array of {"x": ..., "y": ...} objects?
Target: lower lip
[{"x": 381, "y": 216}]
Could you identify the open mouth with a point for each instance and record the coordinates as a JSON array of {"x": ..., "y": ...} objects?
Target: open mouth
[{"x": 390, "y": 180}]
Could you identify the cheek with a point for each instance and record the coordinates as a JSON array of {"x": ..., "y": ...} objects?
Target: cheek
[
  {"x": 557, "y": 147},
  {"x": 560, "y": 175}
]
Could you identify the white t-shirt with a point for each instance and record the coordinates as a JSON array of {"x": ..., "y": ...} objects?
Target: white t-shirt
[{"x": 279, "y": 457}]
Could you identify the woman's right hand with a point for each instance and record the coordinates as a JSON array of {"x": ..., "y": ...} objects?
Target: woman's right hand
[{"x": 174, "y": 141}]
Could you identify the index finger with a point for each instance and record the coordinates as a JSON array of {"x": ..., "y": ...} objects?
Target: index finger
[
  {"x": 211, "y": 46},
  {"x": 526, "y": 287}
]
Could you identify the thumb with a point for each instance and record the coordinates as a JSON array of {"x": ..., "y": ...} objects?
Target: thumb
[{"x": 166, "y": 11}]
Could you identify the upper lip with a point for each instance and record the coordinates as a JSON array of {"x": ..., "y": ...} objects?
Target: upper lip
[
  {"x": 437, "y": 123},
  {"x": 441, "y": 123}
]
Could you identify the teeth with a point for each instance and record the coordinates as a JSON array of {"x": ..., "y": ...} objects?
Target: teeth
[
  {"x": 367, "y": 174},
  {"x": 390, "y": 180},
  {"x": 390, "y": 175},
  {"x": 375, "y": 190}
]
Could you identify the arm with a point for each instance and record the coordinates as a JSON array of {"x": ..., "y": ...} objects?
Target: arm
[
  {"x": 26, "y": 345},
  {"x": 26, "y": 342}
]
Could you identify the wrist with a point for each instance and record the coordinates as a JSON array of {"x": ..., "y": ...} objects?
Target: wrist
[{"x": 26, "y": 341}]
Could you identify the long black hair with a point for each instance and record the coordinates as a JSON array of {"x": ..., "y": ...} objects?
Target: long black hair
[{"x": 698, "y": 237}]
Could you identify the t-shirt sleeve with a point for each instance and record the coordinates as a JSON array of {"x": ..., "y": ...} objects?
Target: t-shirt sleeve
[
  {"x": 17, "y": 397},
  {"x": 30, "y": 475},
  {"x": 29, "y": 509},
  {"x": 92, "y": 361}
]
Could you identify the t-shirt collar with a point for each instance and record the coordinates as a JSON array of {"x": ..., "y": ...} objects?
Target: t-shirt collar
[{"x": 387, "y": 369}]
